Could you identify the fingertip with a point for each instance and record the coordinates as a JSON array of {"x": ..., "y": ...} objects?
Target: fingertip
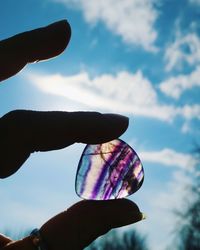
[
  {"x": 32, "y": 46},
  {"x": 49, "y": 41},
  {"x": 126, "y": 212},
  {"x": 61, "y": 31},
  {"x": 96, "y": 127},
  {"x": 116, "y": 213},
  {"x": 118, "y": 123}
]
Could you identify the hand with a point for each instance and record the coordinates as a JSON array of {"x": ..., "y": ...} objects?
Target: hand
[{"x": 23, "y": 132}]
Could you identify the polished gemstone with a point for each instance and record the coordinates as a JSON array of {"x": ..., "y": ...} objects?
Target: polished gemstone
[{"x": 109, "y": 170}]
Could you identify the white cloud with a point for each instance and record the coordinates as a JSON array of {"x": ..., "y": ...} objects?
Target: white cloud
[
  {"x": 133, "y": 20},
  {"x": 185, "y": 49},
  {"x": 121, "y": 93},
  {"x": 169, "y": 157},
  {"x": 190, "y": 112},
  {"x": 175, "y": 86}
]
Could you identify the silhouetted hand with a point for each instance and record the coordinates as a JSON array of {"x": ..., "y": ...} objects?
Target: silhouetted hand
[{"x": 23, "y": 132}]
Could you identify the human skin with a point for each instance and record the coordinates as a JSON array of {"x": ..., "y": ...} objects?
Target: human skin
[{"x": 23, "y": 132}]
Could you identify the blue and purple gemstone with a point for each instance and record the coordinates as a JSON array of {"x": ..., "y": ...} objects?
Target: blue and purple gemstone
[{"x": 109, "y": 170}]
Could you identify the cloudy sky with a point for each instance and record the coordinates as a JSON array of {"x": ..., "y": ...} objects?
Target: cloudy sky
[{"x": 140, "y": 58}]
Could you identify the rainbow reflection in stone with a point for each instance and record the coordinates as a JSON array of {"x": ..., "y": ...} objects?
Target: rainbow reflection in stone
[{"x": 108, "y": 171}]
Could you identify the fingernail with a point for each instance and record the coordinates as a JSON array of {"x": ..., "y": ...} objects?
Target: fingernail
[{"x": 143, "y": 215}]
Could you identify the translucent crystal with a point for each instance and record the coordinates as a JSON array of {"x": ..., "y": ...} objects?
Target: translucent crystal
[{"x": 108, "y": 171}]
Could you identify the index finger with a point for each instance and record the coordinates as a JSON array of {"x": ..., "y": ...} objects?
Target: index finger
[
  {"x": 31, "y": 46},
  {"x": 23, "y": 132}
]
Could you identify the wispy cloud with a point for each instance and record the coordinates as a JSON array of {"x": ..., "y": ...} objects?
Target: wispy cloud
[
  {"x": 176, "y": 85},
  {"x": 124, "y": 93},
  {"x": 171, "y": 158},
  {"x": 132, "y": 20},
  {"x": 185, "y": 49}
]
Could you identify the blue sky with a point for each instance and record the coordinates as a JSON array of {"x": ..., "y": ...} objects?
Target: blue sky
[{"x": 140, "y": 58}]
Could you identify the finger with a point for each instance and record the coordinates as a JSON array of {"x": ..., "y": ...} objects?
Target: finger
[
  {"x": 31, "y": 46},
  {"x": 23, "y": 132},
  {"x": 86, "y": 220},
  {"x": 4, "y": 240}
]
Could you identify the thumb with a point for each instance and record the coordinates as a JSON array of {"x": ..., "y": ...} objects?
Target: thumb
[{"x": 85, "y": 221}]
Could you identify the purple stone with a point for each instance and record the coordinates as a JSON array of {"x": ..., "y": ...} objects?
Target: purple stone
[{"x": 109, "y": 170}]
